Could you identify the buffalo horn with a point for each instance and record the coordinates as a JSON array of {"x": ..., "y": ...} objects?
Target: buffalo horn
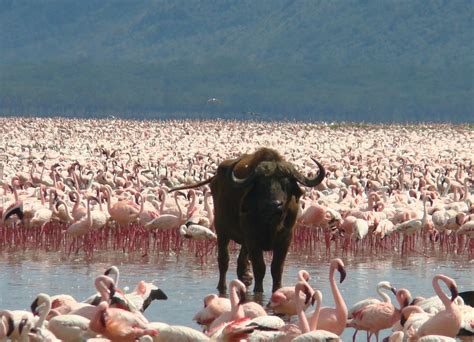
[
  {"x": 310, "y": 182},
  {"x": 240, "y": 182}
]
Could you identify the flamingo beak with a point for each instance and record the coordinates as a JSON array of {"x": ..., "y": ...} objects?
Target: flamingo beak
[
  {"x": 313, "y": 299},
  {"x": 158, "y": 294},
  {"x": 394, "y": 290},
  {"x": 34, "y": 307},
  {"x": 22, "y": 324},
  {"x": 112, "y": 290},
  {"x": 342, "y": 271},
  {"x": 11, "y": 326},
  {"x": 454, "y": 292},
  {"x": 406, "y": 302},
  {"x": 403, "y": 320},
  {"x": 242, "y": 296},
  {"x": 307, "y": 293}
]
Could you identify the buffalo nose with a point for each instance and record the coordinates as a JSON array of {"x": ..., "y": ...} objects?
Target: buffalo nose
[{"x": 277, "y": 204}]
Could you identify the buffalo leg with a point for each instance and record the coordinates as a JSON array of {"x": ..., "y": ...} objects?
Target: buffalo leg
[
  {"x": 258, "y": 266},
  {"x": 278, "y": 261},
  {"x": 243, "y": 267},
  {"x": 223, "y": 261}
]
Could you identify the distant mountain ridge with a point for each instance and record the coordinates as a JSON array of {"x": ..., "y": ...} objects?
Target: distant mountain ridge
[
  {"x": 402, "y": 32},
  {"x": 302, "y": 57}
]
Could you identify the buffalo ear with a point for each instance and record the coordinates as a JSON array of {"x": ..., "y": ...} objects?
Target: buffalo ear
[{"x": 297, "y": 192}]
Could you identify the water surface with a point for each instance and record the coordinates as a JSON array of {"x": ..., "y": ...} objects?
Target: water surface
[{"x": 186, "y": 279}]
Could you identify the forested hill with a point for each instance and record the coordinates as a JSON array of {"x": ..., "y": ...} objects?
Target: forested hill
[{"x": 321, "y": 60}]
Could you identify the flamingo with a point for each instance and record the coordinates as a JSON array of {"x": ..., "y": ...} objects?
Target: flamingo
[
  {"x": 368, "y": 301},
  {"x": 98, "y": 217},
  {"x": 412, "y": 317},
  {"x": 447, "y": 322},
  {"x": 118, "y": 325},
  {"x": 167, "y": 221},
  {"x": 143, "y": 294},
  {"x": 178, "y": 333},
  {"x": 283, "y": 300},
  {"x": 11, "y": 321},
  {"x": 333, "y": 319},
  {"x": 191, "y": 230},
  {"x": 409, "y": 228},
  {"x": 147, "y": 215},
  {"x": 214, "y": 306},
  {"x": 313, "y": 334},
  {"x": 374, "y": 317},
  {"x": 113, "y": 273},
  {"x": 82, "y": 226},
  {"x": 105, "y": 287},
  {"x": 122, "y": 212},
  {"x": 237, "y": 291},
  {"x": 70, "y": 327}
]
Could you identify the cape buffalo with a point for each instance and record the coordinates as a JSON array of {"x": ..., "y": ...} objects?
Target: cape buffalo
[{"x": 255, "y": 203}]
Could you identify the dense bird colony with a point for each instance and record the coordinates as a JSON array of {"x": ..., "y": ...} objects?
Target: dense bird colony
[
  {"x": 89, "y": 184},
  {"x": 84, "y": 185}
]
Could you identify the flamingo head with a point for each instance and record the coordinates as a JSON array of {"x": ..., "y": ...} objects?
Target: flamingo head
[
  {"x": 38, "y": 304},
  {"x": 316, "y": 297},
  {"x": 454, "y": 291},
  {"x": 339, "y": 265}
]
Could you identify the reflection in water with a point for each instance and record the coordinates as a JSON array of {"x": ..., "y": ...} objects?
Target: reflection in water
[{"x": 186, "y": 280}]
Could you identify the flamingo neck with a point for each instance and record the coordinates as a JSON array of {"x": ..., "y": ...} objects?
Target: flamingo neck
[
  {"x": 302, "y": 320},
  {"x": 109, "y": 200},
  {"x": 192, "y": 204},
  {"x": 180, "y": 212},
  {"x": 444, "y": 299},
  {"x": 315, "y": 317},
  {"x": 341, "y": 308},
  {"x": 162, "y": 206},
  {"x": 142, "y": 204},
  {"x": 303, "y": 275},
  {"x": 425, "y": 212},
  {"x": 236, "y": 310},
  {"x": 89, "y": 216},
  {"x": 383, "y": 295},
  {"x": 207, "y": 206},
  {"x": 44, "y": 311}
]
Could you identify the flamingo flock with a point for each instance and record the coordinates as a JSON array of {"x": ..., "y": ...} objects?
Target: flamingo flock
[
  {"x": 114, "y": 315},
  {"x": 97, "y": 185}
]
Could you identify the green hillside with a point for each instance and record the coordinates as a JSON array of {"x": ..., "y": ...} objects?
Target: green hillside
[{"x": 331, "y": 60}]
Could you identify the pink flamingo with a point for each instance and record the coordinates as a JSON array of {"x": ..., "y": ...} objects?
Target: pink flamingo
[
  {"x": 148, "y": 214},
  {"x": 447, "y": 322},
  {"x": 122, "y": 212},
  {"x": 311, "y": 334},
  {"x": 82, "y": 226},
  {"x": 167, "y": 221},
  {"x": 104, "y": 286},
  {"x": 333, "y": 319},
  {"x": 214, "y": 306},
  {"x": 118, "y": 325},
  {"x": 375, "y": 317},
  {"x": 283, "y": 300},
  {"x": 78, "y": 211},
  {"x": 368, "y": 301},
  {"x": 237, "y": 291}
]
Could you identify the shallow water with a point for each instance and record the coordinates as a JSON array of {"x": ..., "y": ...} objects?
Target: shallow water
[{"x": 186, "y": 280}]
